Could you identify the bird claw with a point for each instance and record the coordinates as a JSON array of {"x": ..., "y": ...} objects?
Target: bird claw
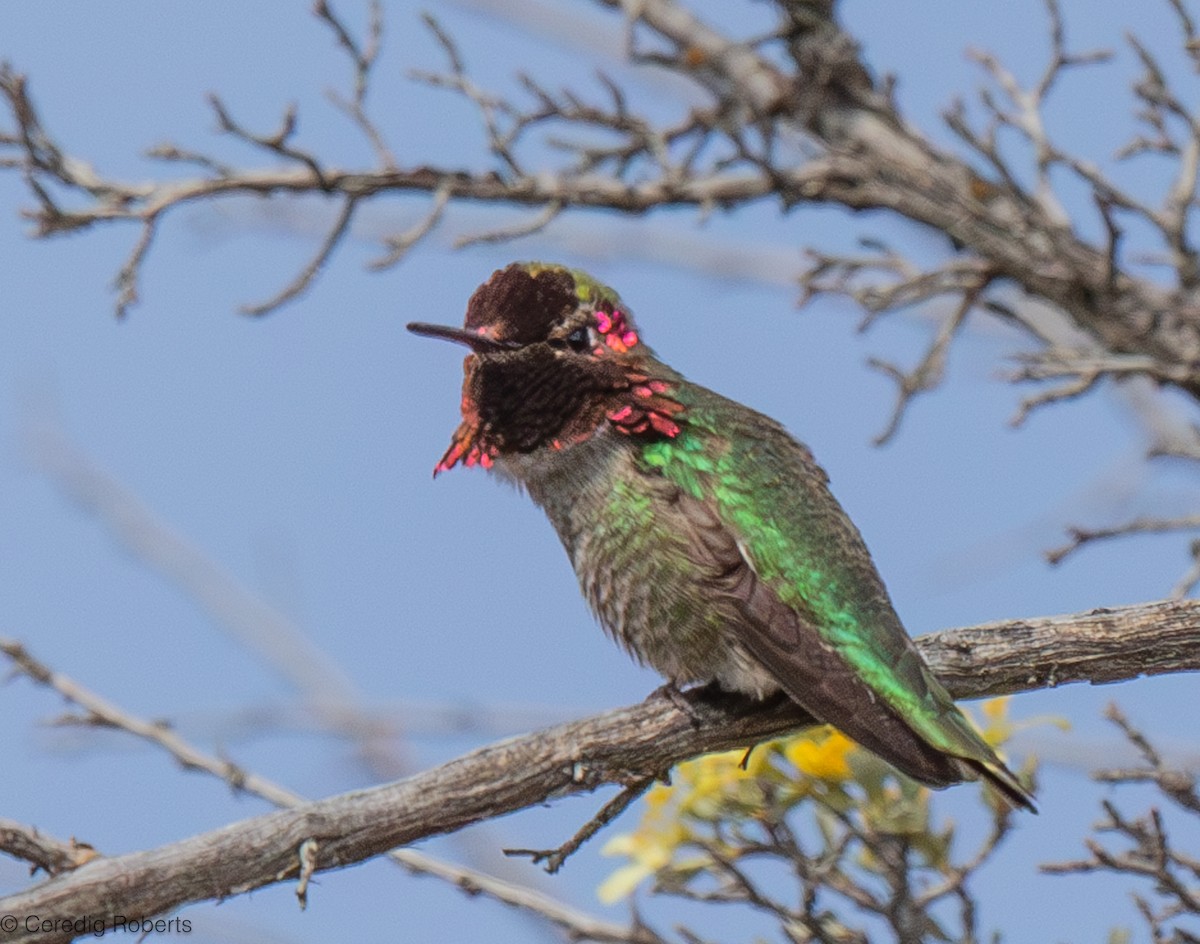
[
  {"x": 696, "y": 702},
  {"x": 679, "y": 700}
]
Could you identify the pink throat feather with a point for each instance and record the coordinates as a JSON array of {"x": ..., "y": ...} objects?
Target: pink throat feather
[{"x": 645, "y": 407}]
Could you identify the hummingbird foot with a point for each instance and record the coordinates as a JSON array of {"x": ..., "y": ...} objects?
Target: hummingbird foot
[
  {"x": 701, "y": 702},
  {"x": 681, "y": 701}
]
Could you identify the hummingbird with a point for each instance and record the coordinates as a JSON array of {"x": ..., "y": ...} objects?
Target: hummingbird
[{"x": 704, "y": 536}]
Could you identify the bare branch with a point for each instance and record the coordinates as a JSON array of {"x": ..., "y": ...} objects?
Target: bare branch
[
  {"x": 1082, "y": 536},
  {"x": 491, "y": 108},
  {"x": 363, "y": 58},
  {"x": 42, "y": 852},
  {"x": 543, "y": 219},
  {"x": 399, "y": 245},
  {"x": 128, "y": 279},
  {"x": 858, "y": 277},
  {"x": 55, "y": 856},
  {"x": 959, "y": 874},
  {"x": 1077, "y": 386},
  {"x": 308, "y": 866},
  {"x": 929, "y": 371},
  {"x": 278, "y": 142},
  {"x": 1055, "y": 363},
  {"x": 1148, "y": 851},
  {"x": 305, "y": 276},
  {"x": 1102, "y": 645},
  {"x": 1027, "y": 105},
  {"x": 1179, "y": 785},
  {"x": 554, "y": 858}
]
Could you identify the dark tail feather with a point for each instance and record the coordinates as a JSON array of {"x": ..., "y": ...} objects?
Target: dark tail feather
[
  {"x": 891, "y": 738},
  {"x": 1003, "y": 781},
  {"x": 887, "y": 735}
]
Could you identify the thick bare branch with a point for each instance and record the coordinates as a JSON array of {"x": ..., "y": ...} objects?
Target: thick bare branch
[
  {"x": 326, "y": 691},
  {"x": 645, "y": 740},
  {"x": 55, "y": 856}
]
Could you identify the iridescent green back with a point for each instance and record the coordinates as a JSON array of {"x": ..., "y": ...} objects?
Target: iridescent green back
[{"x": 771, "y": 494}]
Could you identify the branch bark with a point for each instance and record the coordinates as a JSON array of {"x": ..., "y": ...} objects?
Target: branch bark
[
  {"x": 42, "y": 852},
  {"x": 646, "y": 739}
]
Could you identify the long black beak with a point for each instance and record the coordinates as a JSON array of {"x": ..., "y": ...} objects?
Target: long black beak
[{"x": 476, "y": 342}]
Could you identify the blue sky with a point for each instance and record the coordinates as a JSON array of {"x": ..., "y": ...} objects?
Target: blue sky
[{"x": 294, "y": 452}]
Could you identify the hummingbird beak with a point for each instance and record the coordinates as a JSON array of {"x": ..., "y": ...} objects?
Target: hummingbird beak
[{"x": 479, "y": 343}]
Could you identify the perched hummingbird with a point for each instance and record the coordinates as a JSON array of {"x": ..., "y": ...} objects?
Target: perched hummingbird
[{"x": 704, "y": 536}]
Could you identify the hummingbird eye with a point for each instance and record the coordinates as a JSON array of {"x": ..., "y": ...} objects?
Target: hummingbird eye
[{"x": 578, "y": 339}]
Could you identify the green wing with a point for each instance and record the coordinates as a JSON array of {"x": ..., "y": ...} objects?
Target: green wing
[{"x": 816, "y": 612}]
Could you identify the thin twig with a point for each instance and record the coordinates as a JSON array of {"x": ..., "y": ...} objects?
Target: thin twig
[
  {"x": 398, "y": 246},
  {"x": 508, "y": 233},
  {"x": 929, "y": 371},
  {"x": 1143, "y": 525},
  {"x": 554, "y": 858},
  {"x": 1147, "y": 851},
  {"x": 363, "y": 59},
  {"x": 305, "y": 276}
]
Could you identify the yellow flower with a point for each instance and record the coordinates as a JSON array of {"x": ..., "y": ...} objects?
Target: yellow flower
[
  {"x": 656, "y": 798},
  {"x": 716, "y": 773},
  {"x": 648, "y": 850},
  {"x": 710, "y": 786},
  {"x": 822, "y": 754},
  {"x": 758, "y": 764},
  {"x": 997, "y": 728}
]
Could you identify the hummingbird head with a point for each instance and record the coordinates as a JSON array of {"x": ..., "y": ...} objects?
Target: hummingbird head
[{"x": 555, "y": 357}]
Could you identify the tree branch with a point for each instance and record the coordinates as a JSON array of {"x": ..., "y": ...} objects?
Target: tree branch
[
  {"x": 55, "y": 856},
  {"x": 795, "y": 116},
  {"x": 645, "y": 739},
  {"x": 41, "y": 851},
  {"x": 1144, "y": 847}
]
